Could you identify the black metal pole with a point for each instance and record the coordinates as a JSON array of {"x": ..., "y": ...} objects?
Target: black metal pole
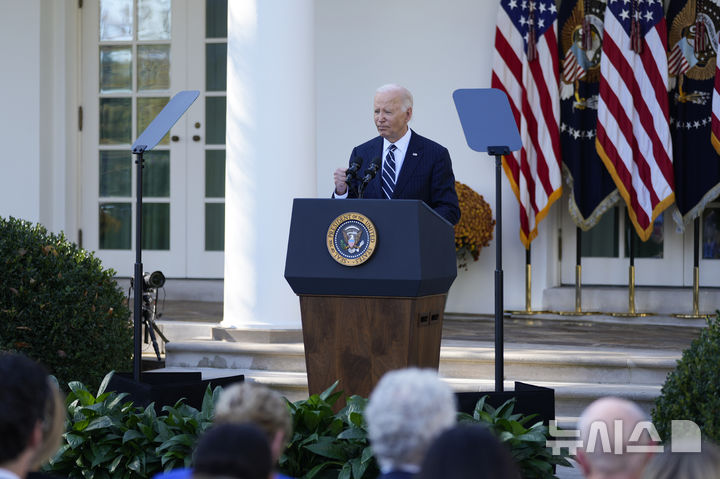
[
  {"x": 499, "y": 351},
  {"x": 578, "y": 246},
  {"x": 138, "y": 280}
]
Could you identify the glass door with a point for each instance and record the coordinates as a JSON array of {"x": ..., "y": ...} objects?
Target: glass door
[
  {"x": 136, "y": 56},
  {"x": 659, "y": 261}
]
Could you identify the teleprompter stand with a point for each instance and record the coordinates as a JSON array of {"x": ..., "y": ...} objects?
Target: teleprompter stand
[
  {"x": 490, "y": 127},
  {"x": 158, "y": 388}
]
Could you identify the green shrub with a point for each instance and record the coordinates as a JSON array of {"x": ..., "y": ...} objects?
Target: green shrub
[
  {"x": 692, "y": 390},
  {"x": 108, "y": 438},
  {"x": 59, "y": 306}
]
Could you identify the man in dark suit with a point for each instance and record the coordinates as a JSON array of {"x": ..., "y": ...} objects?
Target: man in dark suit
[{"x": 413, "y": 167}]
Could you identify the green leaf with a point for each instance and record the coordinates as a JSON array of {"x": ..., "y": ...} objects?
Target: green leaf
[
  {"x": 104, "y": 383},
  {"x": 180, "y": 440},
  {"x": 326, "y": 393},
  {"x": 326, "y": 447},
  {"x": 99, "y": 423},
  {"x": 113, "y": 465},
  {"x": 131, "y": 435},
  {"x": 352, "y": 433},
  {"x": 345, "y": 472},
  {"x": 533, "y": 436},
  {"x": 367, "y": 454}
]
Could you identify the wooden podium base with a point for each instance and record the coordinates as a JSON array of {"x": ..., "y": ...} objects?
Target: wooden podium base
[{"x": 358, "y": 339}]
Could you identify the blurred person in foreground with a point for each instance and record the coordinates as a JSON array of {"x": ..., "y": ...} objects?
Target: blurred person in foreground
[
  {"x": 407, "y": 410},
  {"x": 237, "y": 451},
  {"x": 468, "y": 450},
  {"x": 32, "y": 417},
  {"x": 599, "y": 456},
  {"x": 256, "y": 404},
  {"x": 704, "y": 464}
]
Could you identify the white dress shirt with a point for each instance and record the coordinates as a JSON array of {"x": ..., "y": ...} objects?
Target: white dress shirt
[{"x": 402, "y": 147}]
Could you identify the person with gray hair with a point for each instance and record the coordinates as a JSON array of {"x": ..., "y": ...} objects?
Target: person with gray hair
[
  {"x": 703, "y": 464},
  {"x": 407, "y": 410},
  {"x": 405, "y": 165},
  {"x": 601, "y": 425}
]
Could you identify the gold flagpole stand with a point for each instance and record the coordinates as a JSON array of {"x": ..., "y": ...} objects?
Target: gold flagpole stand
[
  {"x": 631, "y": 286},
  {"x": 578, "y": 280},
  {"x": 696, "y": 277},
  {"x": 528, "y": 289}
]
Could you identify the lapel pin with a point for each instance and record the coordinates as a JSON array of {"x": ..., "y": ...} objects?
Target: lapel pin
[{"x": 414, "y": 154}]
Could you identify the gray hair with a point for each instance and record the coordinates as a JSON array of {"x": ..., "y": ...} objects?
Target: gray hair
[
  {"x": 407, "y": 410},
  {"x": 607, "y": 410},
  {"x": 406, "y": 98},
  {"x": 685, "y": 465}
]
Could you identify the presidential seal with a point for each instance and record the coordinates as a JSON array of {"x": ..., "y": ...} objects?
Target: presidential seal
[{"x": 351, "y": 239}]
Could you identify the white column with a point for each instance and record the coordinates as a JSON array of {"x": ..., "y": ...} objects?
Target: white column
[
  {"x": 20, "y": 53},
  {"x": 270, "y": 155}
]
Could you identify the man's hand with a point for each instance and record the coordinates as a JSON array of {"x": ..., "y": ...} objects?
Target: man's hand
[{"x": 340, "y": 185}]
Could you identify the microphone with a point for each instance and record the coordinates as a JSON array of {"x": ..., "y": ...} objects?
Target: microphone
[
  {"x": 351, "y": 173},
  {"x": 372, "y": 170},
  {"x": 370, "y": 173}
]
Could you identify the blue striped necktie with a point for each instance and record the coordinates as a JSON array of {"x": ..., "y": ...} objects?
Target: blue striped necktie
[{"x": 388, "y": 173}]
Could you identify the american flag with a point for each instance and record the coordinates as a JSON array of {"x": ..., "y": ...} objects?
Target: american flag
[
  {"x": 633, "y": 131},
  {"x": 678, "y": 59},
  {"x": 526, "y": 68},
  {"x": 574, "y": 65},
  {"x": 715, "y": 120}
]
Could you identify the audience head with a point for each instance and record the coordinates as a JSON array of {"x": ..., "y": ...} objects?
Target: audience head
[
  {"x": 597, "y": 426},
  {"x": 407, "y": 410},
  {"x": 238, "y": 451},
  {"x": 257, "y": 404},
  {"x": 25, "y": 397},
  {"x": 468, "y": 451},
  {"x": 53, "y": 425},
  {"x": 685, "y": 465}
]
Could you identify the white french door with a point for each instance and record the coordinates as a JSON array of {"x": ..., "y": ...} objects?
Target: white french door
[
  {"x": 136, "y": 55},
  {"x": 666, "y": 259}
]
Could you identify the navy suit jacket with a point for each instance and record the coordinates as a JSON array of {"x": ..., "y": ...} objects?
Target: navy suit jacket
[{"x": 426, "y": 174}]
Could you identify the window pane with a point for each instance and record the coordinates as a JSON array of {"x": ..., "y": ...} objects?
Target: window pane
[
  {"x": 216, "y": 66},
  {"x": 115, "y": 121},
  {"x": 215, "y": 120},
  {"x": 602, "y": 240},
  {"x": 216, "y": 18},
  {"x": 153, "y": 67},
  {"x": 215, "y": 173},
  {"x": 711, "y": 233},
  {"x": 115, "y": 225},
  {"x": 156, "y": 175},
  {"x": 653, "y": 247},
  {"x": 115, "y": 173},
  {"x": 115, "y": 69},
  {"x": 147, "y": 109},
  {"x": 214, "y": 226},
  {"x": 156, "y": 226},
  {"x": 116, "y": 20},
  {"x": 153, "y": 19}
]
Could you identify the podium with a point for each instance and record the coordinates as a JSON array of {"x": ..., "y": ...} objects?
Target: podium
[{"x": 363, "y": 317}]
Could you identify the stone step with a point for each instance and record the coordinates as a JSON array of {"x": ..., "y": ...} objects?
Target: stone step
[{"x": 458, "y": 359}]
